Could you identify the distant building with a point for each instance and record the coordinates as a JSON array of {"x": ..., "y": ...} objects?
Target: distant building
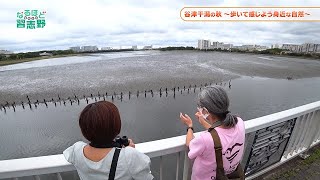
[
  {"x": 106, "y": 48},
  {"x": 310, "y": 48},
  {"x": 46, "y": 54},
  {"x": 216, "y": 45},
  {"x": 147, "y": 47},
  {"x": 227, "y": 46},
  {"x": 292, "y": 47},
  {"x": 135, "y": 47},
  {"x": 260, "y": 48},
  {"x": 204, "y": 44},
  {"x": 89, "y": 48},
  {"x": 304, "y": 48},
  {"x": 76, "y": 48},
  {"x": 247, "y": 47},
  {"x": 251, "y": 47},
  {"x": 5, "y": 52},
  {"x": 273, "y": 46}
]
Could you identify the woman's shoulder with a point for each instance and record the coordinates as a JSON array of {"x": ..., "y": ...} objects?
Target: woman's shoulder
[
  {"x": 239, "y": 119},
  {"x": 134, "y": 157},
  {"x": 73, "y": 150},
  {"x": 78, "y": 145},
  {"x": 130, "y": 151},
  {"x": 203, "y": 137},
  {"x": 240, "y": 122}
]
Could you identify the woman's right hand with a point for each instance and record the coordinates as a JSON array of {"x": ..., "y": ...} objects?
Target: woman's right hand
[{"x": 202, "y": 121}]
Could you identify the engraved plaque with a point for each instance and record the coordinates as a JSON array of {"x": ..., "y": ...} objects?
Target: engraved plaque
[{"x": 268, "y": 146}]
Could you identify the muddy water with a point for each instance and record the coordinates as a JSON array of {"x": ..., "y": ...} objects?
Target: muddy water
[
  {"x": 49, "y": 130},
  {"x": 259, "y": 87},
  {"x": 143, "y": 70}
]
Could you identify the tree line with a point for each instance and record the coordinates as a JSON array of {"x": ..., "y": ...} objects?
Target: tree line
[{"x": 36, "y": 54}]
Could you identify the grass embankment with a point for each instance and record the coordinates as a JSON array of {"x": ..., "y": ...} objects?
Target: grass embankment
[
  {"x": 273, "y": 52},
  {"x": 16, "y": 61},
  {"x": 308, "y": 168},
  {"x": 33, "y": 56}
]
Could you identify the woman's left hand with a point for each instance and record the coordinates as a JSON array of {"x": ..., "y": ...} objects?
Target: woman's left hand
[
  {"x": 131, "y": 143},
  {"x": 202, "y": 121},
  {"x": 186, "y": 119}
]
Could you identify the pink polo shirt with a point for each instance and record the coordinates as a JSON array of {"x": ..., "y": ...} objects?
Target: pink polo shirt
[{"x": 202, "y": 150}]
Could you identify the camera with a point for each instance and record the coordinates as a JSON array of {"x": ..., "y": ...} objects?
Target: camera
[{"x": 123, "y": 141}]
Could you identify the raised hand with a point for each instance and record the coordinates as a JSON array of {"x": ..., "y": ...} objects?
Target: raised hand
[
  {"x": 202, "y": 121},
  {"x": 186, "y": 119}
]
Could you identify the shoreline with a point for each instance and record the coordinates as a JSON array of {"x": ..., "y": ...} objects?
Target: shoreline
[
  {"x": 300, "y": 56},
  {"x": 17, "y": 61},
  {"x": 68, "y": 54},
  {"x": 314, "y": 56}
]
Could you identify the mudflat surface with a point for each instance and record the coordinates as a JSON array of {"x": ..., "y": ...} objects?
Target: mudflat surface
[{"x": 144, "y": 70}]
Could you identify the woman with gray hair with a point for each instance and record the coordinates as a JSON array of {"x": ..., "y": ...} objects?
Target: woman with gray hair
[{"x": 213, "y": 114}]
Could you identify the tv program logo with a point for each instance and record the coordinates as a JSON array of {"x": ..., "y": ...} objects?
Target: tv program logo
[{"x": 31, "y": 19}]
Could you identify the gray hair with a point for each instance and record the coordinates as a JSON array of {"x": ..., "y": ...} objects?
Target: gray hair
[{"x": 215, "y": 100}]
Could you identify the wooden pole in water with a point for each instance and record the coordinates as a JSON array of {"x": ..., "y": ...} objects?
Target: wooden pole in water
[{"x": 44, "y": 100}]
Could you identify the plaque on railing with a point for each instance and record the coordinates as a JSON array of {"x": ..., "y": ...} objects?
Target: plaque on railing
[{"x": 268, "y": 146}]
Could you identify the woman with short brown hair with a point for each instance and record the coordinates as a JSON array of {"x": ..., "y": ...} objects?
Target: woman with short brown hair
[{"x": 104, "y": 158}]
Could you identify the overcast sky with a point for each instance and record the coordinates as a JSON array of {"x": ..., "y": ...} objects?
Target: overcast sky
[{"x": 142, "y": 22}]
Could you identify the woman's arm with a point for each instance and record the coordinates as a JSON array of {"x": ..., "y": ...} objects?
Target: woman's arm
[
  {"x": 189, "y": 136},
  {"x": 187, "y": 121}
]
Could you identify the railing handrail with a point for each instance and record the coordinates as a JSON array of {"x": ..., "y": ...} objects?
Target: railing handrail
[
  {"x": 57, "y": 163},
  {"x": 265, "y": 121}
]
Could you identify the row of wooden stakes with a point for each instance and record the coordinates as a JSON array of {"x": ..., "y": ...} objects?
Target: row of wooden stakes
[{"x": 76, "y": 99}]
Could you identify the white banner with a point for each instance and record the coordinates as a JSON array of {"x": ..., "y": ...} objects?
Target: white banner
[{"x": 303, "y": 14}]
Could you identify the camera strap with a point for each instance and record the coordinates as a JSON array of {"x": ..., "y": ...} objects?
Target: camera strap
[
  {"x": 108, "y": 145},
  {"x": 114, "y": 163}
]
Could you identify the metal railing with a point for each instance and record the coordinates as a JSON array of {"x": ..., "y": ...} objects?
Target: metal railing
[{"x": 270, "y": 141}]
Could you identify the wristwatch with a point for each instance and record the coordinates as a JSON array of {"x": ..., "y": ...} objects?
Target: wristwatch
[{"x": 190, "y": 128}]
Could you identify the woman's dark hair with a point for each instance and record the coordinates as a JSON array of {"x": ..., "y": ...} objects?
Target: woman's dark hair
[
  {"x": 216, "y": 101},
  {"x": 100, "y": 122}
]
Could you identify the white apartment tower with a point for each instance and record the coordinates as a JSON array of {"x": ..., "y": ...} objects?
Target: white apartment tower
[{"x": 203, "y": 44}]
